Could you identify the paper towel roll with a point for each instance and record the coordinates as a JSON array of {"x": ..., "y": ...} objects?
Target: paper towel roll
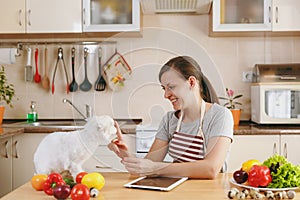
[{"x": 7, "y": 55}]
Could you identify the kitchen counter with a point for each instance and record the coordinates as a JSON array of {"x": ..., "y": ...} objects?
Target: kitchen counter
[
  {"x": 249, "y": 128},
  {"x": 113, "y": 189},
  {"x": 7, "y": 132},
  {"x": 245, "y": 128}
]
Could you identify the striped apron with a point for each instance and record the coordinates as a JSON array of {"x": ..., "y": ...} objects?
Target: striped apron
[{"x": 186, "y": 147}]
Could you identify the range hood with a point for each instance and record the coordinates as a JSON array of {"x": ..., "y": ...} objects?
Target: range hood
[{"x": 176, "y": 6}]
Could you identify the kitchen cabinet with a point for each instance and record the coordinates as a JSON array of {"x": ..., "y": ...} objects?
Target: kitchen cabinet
[
  {"x": 246, "y": 147},
  {"x": 16, "y": 160},
  {"x": 285, "y": 15},
  {"x": 40, "y": 16},
  {"x": 111, "y": 16},
  {"x": 261, "y": 147},
  {"x": 104, "y": 160},
  {"x": 255, "y": 15},
  {"x": 290, "y": 147},
  {"x": 12, "y": 16}
]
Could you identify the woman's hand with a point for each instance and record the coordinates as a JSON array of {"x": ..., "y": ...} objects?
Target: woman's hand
[
  {"x": 118, "y": 145},
  {"x": 143, "y": 167}
]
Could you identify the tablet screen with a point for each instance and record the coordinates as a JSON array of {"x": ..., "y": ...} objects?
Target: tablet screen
[{"x": 156, "y": 183}]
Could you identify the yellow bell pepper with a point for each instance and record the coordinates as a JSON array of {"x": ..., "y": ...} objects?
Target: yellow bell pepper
[{"x": 246, "y": 166}]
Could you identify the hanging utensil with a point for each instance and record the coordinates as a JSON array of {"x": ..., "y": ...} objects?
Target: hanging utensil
[
  {"x": 37, "y": 76},
  {"x": 73, "y": 85},
  {"x": 100, "y": 82},
  {"x": 60, "y": 57},
  {"x": 28, "y": 67},
  {"x": 85, "y": 85},
  {"x": 45, "y": 78}
]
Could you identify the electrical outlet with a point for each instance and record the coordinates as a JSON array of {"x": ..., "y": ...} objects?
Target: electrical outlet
[{"x": 247, "y": 76}]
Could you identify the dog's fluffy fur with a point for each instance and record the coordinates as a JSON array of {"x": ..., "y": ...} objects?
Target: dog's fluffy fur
[{"x": 60, "y": 151}]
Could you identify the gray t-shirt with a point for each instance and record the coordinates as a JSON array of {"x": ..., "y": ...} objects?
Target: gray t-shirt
[{"x": 217, "y": 121}]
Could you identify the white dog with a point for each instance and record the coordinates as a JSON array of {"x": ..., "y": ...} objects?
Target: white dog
[{"x": 60, "y": 151}]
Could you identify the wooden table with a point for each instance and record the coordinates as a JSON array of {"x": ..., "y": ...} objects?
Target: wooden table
[{"x": 113, "y": 189}]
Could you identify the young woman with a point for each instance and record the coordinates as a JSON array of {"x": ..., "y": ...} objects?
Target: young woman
[{"x": 197, "y": 134}]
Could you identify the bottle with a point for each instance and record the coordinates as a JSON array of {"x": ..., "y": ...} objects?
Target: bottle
[{"x": 32, "y": 116}]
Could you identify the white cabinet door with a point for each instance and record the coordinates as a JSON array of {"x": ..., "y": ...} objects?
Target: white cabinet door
[
  {"x": 290, "y": 148},
  {"x": 286, "y": 15},
  {"x": 240, "y": 15},
  {"x": 6, "y": 166},
  {"x": 111, "y": 15},
  {"x": 23, "y": 149},
  {"x": 246, "y": 147},
  {"x": 55, "y": 16},
  {"x": 12, "y": 16}
]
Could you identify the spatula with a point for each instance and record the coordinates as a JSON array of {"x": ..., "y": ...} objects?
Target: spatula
[
  {"x": 100, "y": 82},
  {"x": 73, "y": 85},
  {"x": 37, "y": 76},
  {"x": 45, "y": 78}
]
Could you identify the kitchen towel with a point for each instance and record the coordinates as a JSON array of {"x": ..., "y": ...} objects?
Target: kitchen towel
[{"x": 7, "y": 55}]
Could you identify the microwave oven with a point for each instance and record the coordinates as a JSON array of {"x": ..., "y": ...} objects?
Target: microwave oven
[{"x": 275, "y": 103}]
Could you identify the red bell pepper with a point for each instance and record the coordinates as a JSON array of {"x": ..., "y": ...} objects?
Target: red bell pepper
[
  {"x": 52, "y": 181},
  {"x": 259, "y": 176}
]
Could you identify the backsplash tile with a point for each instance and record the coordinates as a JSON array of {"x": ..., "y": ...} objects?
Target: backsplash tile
[{"x": 223, "y": 59}]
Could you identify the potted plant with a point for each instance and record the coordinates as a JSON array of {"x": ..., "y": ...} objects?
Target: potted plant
[
  {"x": 7, "y": 92},
  {"x": 232, "y": 105}
]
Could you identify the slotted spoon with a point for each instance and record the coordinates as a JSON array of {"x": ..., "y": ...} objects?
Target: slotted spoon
[{"x": 100, "y": 82}]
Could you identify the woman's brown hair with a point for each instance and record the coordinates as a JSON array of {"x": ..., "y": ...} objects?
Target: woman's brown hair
[{"x": 187, "y": 67}]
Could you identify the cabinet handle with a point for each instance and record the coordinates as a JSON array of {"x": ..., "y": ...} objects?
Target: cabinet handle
[
  {"x": 28, "y": 18},
  {"x": 276, "y": 14},
  {"x": 83, "y": 13},
  {"x": 6, "y": 150},
  {"x": 16, "y": 149},
  {"x": 274, "y": 149},
  {"x": 285, "y": 150},
  {"x": 269, "y": 14},
  {"x": 20, "y": 21}
]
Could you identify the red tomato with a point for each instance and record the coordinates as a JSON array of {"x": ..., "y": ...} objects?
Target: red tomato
[
  {"x": 80, "y": 176},
  {"x": 80, "y": 192}
]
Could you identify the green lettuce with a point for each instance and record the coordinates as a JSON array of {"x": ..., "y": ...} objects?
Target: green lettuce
[{"x": 284, "y": 174}]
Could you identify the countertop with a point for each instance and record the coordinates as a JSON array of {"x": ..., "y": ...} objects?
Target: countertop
[
  {"x": 245, "y": 128},
  {"x": 250, "y": 128},
  {"x": 7, "y": 132},
  {"x": 113, "y": 189}
]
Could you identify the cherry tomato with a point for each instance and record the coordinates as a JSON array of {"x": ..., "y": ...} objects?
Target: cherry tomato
[
  {"x": 79, "y": 176},
  {"x": 80, "y": 192},
  {"x": 37, "y": 181}
]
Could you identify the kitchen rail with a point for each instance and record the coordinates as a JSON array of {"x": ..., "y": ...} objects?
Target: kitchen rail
[{"x": 20, "y": 45}]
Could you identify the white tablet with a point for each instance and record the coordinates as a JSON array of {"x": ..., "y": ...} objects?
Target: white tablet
[{"x": 156, "y": 183}]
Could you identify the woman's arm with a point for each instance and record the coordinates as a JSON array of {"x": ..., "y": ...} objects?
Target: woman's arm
[
  {"x": 158, "y": 150},
  {"x": 208, "y": 168}
]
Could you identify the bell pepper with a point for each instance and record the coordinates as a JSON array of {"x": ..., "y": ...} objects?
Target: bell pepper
[
  {"x": 246, "y": 166},
  {"x": 259, "y": 176},
  {"x": 52, "y": 181}
]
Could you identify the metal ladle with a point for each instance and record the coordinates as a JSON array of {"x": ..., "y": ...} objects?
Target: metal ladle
[{"x": 85, "y": 85}]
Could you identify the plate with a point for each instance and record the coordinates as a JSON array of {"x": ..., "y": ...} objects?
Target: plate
[{"x": 261, "y": 189}]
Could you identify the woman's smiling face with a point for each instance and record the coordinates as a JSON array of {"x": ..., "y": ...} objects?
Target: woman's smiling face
[{"x": 176, "y": 88}]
